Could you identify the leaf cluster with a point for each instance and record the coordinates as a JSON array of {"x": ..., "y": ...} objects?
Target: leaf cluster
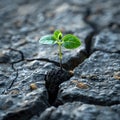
[{"x": 68, "y": 41}]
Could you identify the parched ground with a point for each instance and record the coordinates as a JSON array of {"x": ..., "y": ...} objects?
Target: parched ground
[{"x": 93, "y": 91}]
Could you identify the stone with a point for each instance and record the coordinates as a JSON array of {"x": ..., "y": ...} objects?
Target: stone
[
  {"x": 117, "y": 75},
  {"x": 107, "y": 41},
  {"x": 12, "y": 108},
  {"x": 80, "y": 111},
  {"x": 93, "y": 81},
  {"x": 33, "y": 86},
  {"x": 25, "y": 102}
]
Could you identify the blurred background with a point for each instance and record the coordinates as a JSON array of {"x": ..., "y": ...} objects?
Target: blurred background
[{"x": 23, "y": 22}]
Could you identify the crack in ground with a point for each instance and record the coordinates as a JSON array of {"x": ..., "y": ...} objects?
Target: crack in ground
[
  {"x": 92, "y": 25},
  {"x": 23, "y": 59},
  {"x": 52, "y": 81},
  {"x": 89, "y": 38},
  {"x": 88, "y": 43},
  {"x": 75, "y": 61},
  {"x": 16, "y": 70}
]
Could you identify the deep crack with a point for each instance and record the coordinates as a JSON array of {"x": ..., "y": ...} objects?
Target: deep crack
[{"x": 52, "y": 81}]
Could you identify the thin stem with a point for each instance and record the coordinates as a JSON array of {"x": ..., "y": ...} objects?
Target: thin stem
[{"x": 60, "y": 56}]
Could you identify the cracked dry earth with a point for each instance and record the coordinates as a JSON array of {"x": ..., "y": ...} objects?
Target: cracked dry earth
[{"x": 92, "y": 92}]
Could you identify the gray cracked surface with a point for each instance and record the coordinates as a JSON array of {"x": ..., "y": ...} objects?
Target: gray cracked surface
[
  {"x": 79, "y": 111},
  {"x": 94, "y": 81},
  {"x": 24, "y": 62},
  {"x": 107, "y": 41}
]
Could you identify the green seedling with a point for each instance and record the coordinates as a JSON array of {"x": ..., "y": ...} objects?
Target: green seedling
[{"x": 68, "y": 41}]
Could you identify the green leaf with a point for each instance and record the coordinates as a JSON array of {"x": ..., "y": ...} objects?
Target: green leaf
[
  {"x": 71, "y": 41},
  {"x": 47, "y": 39},
  {"x": 58, "y": 34}
]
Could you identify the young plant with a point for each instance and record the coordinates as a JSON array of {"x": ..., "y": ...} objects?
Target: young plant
[{"x": 68, "y": 41}]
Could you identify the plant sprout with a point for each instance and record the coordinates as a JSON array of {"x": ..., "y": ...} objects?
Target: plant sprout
[{"x": 68, "y": 41}]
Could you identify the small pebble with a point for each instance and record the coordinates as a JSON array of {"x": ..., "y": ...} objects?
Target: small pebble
[{"x": 33, "y": 86}]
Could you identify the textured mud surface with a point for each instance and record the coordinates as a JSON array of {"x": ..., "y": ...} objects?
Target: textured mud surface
[{"x": 92, "y": 93}]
